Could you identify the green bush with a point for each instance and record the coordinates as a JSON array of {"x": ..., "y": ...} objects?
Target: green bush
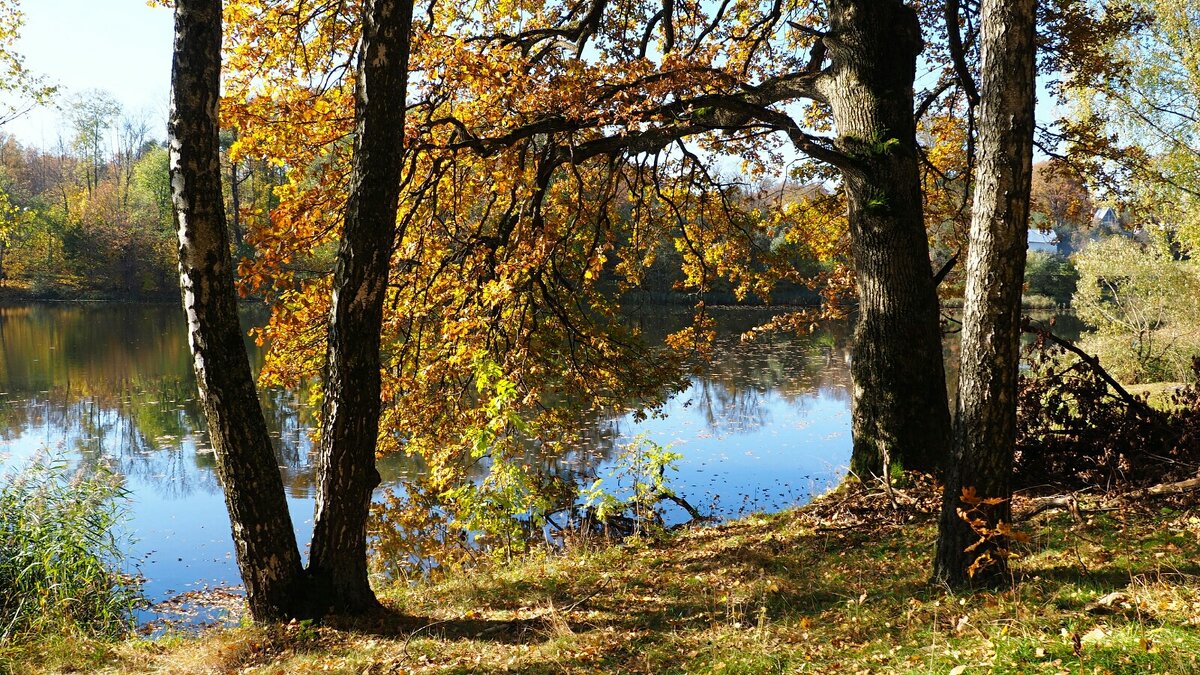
[
  {"x": 1141, "y": 302},
  {"x": 1051, "y": 276},
  {"x": 60, "y": 552}
]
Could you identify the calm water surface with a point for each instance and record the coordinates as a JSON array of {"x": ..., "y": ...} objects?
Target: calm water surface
[{"x": 765, "y": 427}]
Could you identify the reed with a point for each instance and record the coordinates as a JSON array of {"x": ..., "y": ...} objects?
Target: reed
[{"x": 61, "y": 552}]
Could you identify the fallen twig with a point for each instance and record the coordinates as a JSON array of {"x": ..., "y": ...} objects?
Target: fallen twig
[
  {"x": 1067, "y": 502},
  {"x": 1175, "y": 488}
]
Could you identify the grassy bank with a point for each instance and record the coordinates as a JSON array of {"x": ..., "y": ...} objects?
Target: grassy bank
[
  {"x": 66, "y": 291},
  {"x": 825, "y": 589}
]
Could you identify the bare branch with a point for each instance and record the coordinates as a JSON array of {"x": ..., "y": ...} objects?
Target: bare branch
[{"x": 958, "y": 54}]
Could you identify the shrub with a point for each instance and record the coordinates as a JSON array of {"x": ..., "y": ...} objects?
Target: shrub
[
  {"x": 1142, "y": 303},
  {"x": 1050, "y": 275},
  {"x": 635, "y": 485},
  {"x": 60, "y": 552}
]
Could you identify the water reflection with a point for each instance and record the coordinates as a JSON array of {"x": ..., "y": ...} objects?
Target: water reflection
[
  {"x": 765, "y": 425},
  {"x": 115, "y": 382}
]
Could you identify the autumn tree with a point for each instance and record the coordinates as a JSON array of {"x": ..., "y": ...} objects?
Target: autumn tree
[{"x": 554, "y": 137}]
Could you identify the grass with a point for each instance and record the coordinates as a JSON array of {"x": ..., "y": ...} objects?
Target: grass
[
  {"x": 60, "y": 554},
  {"x": 837, "y": 587},
  {"x": 1039, "y": 302},
  {"x": 1158, "y": 393}
]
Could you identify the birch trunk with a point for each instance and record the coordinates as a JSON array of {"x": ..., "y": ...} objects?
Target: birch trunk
[{"x": 264, "y": 541}]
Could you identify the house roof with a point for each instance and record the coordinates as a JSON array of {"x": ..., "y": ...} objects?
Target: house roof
[
  {"x": 1106, "y": 214},
  {"x": 1039, "y": 237}
]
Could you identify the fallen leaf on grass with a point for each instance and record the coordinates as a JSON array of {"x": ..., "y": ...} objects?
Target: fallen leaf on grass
[{"x": 1113, "y": 603}]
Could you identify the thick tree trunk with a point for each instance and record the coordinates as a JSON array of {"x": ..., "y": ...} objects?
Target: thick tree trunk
[
  {"x": 346, "y": 464},
  {"x": 900, "y": 411},
  {"x": 985, "y": 423},
  {"x": 264, "y": 540}
]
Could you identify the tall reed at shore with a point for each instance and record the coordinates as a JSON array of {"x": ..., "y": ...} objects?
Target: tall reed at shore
[{"x": 61, "y": 549}]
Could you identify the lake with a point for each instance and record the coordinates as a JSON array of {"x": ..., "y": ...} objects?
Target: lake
[{"x": 764, "y": 427}]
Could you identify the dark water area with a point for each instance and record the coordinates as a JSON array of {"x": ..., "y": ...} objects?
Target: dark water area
[{"x": 764, "y": 427}]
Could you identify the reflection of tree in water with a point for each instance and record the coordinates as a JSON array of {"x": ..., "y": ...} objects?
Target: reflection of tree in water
[
  {"x": 290, "y": 421},
  {"x": 113, "y": 383},
  {"x": 734, "y": 392},
  {"x": 598, "y": 443}
]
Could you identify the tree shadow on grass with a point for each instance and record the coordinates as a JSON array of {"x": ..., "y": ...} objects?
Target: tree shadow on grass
[
  {"x": 408, "y": 631},
  {"x": 394, "y": 624},
  {"x": 1108, "y": 580}
]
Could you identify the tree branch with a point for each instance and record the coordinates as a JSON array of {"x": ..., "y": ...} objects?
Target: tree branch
[
  {"x": 949, "y": 265},
  {"x": 1094, "y": 363},
  {"x": 958, "y": 54}
]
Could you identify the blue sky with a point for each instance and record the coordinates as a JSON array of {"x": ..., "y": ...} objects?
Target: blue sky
[{"x": 122, "y": 46}]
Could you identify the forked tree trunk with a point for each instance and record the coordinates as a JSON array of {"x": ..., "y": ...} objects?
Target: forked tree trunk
[
  {"x": 346, "y": 463},
  {"x": 985, "y": 423},
  {"x": 263, "y": 538},
  {"x": 900, "y": 412}
]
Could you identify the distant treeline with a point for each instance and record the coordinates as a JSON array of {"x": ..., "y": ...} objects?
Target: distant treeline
[{"x": 91, "y": 215}]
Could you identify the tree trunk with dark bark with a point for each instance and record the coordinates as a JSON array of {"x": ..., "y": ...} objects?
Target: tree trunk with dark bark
[
  {"x": 346, "y": 463},
  {"x": 900, "y": 411},
  {"x": 264, "y": 540},
  {"x": 235, "y": 204},
  {"x": 985, "y": 423}
]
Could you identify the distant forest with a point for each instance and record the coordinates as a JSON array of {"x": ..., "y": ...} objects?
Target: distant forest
[{"x": 91, "y": 215}]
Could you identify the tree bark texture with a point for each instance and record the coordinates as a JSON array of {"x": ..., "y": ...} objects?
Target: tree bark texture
[
  {"x": 985, "y": 422},
  {"x": 264, "y": 540},
  {"x": 346, "y": 462},
  {"x": 900, "y": 411}
]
